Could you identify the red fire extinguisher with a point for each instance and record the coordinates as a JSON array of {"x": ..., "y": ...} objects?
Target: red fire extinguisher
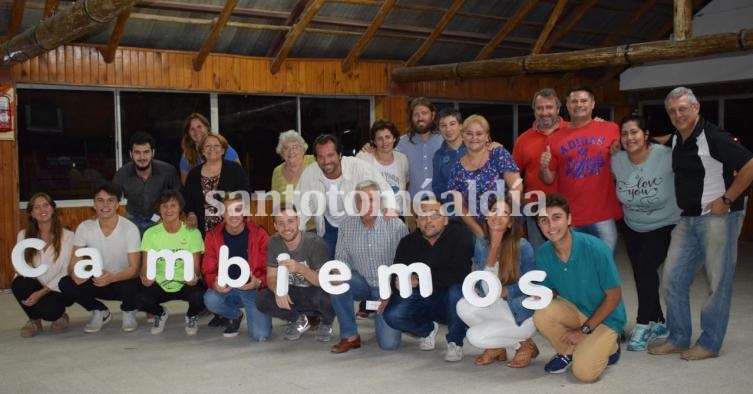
[{"x": 6, "y": 120}]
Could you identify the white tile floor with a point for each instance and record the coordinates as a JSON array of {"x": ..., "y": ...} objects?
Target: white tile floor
[{"x": 139, "y": 362}]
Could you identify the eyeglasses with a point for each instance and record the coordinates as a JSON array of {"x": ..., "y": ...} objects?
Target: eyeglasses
[
  {"x": 433, "y": 215},
  {"x": 680, "y": 110},
  {"x": 208, "y": 147}
]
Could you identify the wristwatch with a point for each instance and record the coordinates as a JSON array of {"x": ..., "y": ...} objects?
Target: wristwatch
[
  {"x": 585, "y": 329},
  {"x": 726, "y": 200}
]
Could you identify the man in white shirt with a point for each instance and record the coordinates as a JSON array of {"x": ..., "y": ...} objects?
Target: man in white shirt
[{"x": 118, "y": 241}]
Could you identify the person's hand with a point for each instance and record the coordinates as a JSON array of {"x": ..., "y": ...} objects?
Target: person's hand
[
  {"x": 368, "y": 148},
  {"x": 718, "y": 207},
  {"x": 614, "y": 148},
  {"x": 222, "y": 289},
  {"x": 193, "y": 281},
  {"x": 103, "y": 280},
  {"x": 146, "y": 282},
  {"x": 33, "y": 298},
  {"x": 493, "y": 145},
  {"x": 283, "y": 302},
  {"x": 413, "y": 281},
  {"x": 573, "y": 337},
  {"x": 546, "y": 157},
  {"x": 191, "y": 221},
  {"x": 292, "y": 265},
  {"x": 382, "y": 306},
  {"x": 599, "y": 119},
  {"x": 254, "y": 283}
]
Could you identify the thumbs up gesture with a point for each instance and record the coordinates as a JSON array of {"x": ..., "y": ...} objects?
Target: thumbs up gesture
[{"x": 546, "y": 157}]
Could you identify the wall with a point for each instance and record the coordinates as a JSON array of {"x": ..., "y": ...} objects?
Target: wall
[{"x": 172, "y": 70}]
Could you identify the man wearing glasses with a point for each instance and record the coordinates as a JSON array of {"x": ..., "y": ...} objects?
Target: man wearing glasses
[{"x": 447, "y": 249}]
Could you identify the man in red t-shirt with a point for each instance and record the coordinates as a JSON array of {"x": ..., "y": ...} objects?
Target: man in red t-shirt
[
  {"x": 527, "y": 154},
  {"x": 577, "y": 157}
]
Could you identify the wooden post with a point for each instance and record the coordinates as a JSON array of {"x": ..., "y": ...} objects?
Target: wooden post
[{"x": 683, "y": 10}]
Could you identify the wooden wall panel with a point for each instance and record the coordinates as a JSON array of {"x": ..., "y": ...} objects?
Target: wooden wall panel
[
  {"x": 8, "y": 209},
  {"x": 394, "y": 109}
]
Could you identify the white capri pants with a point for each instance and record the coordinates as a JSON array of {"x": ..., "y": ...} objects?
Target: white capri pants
[{"x": 493, "y": 326}]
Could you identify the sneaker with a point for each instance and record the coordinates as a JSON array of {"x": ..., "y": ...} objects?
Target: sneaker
[
  {"x": 615, "y": 357},
  {"x": 323, "y": 333},
  {"x": 658, "y": 331},
  {"x": 60, "y": 324},
  {"x": 559, "y": 363},
  {"x": 454, "y": 352},
  {"x": 362, "y": 315},
  {"x": 232, "y": 327},
  {"x": 159, "y": 323},
  {"x": 31, "y": 328},
  {"x": 99, "y": 319},
  {"x": 428, "y": 342},
  {"x": 217, "y": 321},
  {"x": 639, "y": 338},
  {"x": 192, "y": 325},
  {"x": 129, "y": 321},
  {"x": 297, "y": 328}
]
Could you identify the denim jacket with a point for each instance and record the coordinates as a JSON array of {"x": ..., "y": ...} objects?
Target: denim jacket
[{"x": 443, "y": 161}]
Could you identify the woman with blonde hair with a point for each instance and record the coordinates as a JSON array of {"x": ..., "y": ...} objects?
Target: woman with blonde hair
[
  {"x": 506, "y": 322},
  {"x": 40, "y": 297},
  {"x": 195, "y": 128}
]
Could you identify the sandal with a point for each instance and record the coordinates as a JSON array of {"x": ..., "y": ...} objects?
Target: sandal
[
  {"x": 527, "y": 351},
  {"x": 489, "y": 355}
]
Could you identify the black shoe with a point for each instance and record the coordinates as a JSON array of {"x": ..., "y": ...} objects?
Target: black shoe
[
  {"x": 231, "y": 329},
  {"x": 217, "y": 321},
  {"x": 615, "y": 357}
]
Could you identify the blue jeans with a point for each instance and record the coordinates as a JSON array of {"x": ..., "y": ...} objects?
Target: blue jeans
[
  {"x": 535, "y": 238},
  {"x": 142, "y": 223},
  {"x": 330, "y": 237},
  {"x": 416, "y": 315},
  {"x": 711, "y": 241},
  {"x": 227, "y": 305},
  {"x": 387, "y": 337},
  {"x": 606, "y": 230}
]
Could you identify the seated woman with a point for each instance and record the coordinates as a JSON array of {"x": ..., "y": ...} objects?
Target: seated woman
[
  {"x": 505, "y": 323},
  {"x": 40, "y": 297},
  {"x": 171, "y": 234}
]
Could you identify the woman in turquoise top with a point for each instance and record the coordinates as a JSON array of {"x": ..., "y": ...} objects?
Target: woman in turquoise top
[{"x": 646, "y": 190}]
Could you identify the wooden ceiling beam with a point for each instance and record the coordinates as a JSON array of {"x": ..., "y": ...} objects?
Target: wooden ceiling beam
[
  {"x": 368, "y": 35},
  {"x": 108, "y": 53},
  {"x": 295, "y": 13},
  {"x": 292, "y": 36},
  {"x": 683, "y": 16},
  {"x": 578, "y": 13},
  {"x": 214, "y": 35},
  {"x": 553, "y": 18},
  {"x": 50, "y": 6},
  {"x": 621, "y": 55},
  {"x": 421, "y": 51},
  {"x": 509, "y": 26},
  {"x": 16, "y": 17}
]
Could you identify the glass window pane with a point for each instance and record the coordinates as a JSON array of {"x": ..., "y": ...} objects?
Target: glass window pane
[
  {"x": 657, "y": 120},
  {"x": 525, "y": 118},
  {"x": 710, "y": 110},
  {"x": 500, "y": 118},
  {"x": 162, "y": 115},
  {"x": 738, "y": 116},
  {"x": 66, "y": 142},
  {"x": 348, "y": 119},
  {"x": 251, "y": 124}
]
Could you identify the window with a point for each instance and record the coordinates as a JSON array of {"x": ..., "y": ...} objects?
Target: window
[
  {"x": 251, "y": 124},
  {"x": 500, "y": 118},
  {"x": 349, "y": 119},
  {"x": 737, "y": 119},
  {"x": 161, "y": 115},
  {"x": 66, "y": 140}
]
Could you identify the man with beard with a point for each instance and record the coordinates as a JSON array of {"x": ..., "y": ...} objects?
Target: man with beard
[
  {"x": 329, "y": 183},
  {"x": 420, "y": 144},
  {"x": 143, "y": 180},
  {"x": 529, "y": 147}
]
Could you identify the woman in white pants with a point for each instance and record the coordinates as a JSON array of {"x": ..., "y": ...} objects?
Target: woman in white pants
[{"x": 505, "y": 323}]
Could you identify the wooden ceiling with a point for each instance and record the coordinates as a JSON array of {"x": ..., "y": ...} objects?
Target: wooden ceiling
[{"x": 414, "y": 32}]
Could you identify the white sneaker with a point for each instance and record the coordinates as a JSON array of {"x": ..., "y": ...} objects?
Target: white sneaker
[
  {"x": 454, "y": 352},
  {"x": 129, "y": 321},
  {"x": 159, "y": 323},
  {"x": 428, "y": 342},
  {"x": 99, "y": 319},
  {"x": 192, "y": 325}
]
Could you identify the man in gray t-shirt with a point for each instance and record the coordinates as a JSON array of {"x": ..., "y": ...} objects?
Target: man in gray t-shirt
[{"x": 302, "y": 254}]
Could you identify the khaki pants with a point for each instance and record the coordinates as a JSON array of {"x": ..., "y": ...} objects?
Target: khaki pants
[{"x": 590, "y": 356}]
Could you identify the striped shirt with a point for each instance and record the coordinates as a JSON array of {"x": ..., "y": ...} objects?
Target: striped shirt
[{"x": 364, "y": 249}]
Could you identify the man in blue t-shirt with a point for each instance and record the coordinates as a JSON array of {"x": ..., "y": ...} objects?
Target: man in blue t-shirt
[{"x": 584, "y": 322}]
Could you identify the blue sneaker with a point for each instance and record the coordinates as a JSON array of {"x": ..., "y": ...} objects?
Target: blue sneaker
[
  {"x": 558, "y": 364},
  {"x": 658, "y": 331},
  {"x": 639, "y": 338},
  {"x": 615, "y": 357}
]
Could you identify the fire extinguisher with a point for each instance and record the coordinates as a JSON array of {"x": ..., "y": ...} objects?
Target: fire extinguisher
[{"x": 6, "y": 121}]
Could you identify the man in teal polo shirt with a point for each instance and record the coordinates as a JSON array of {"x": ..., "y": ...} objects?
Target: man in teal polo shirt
[{"x": 584, "y": 322}]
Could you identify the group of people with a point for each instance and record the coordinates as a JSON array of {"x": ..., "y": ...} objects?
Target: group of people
[{"x": 681, "y": 201}]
